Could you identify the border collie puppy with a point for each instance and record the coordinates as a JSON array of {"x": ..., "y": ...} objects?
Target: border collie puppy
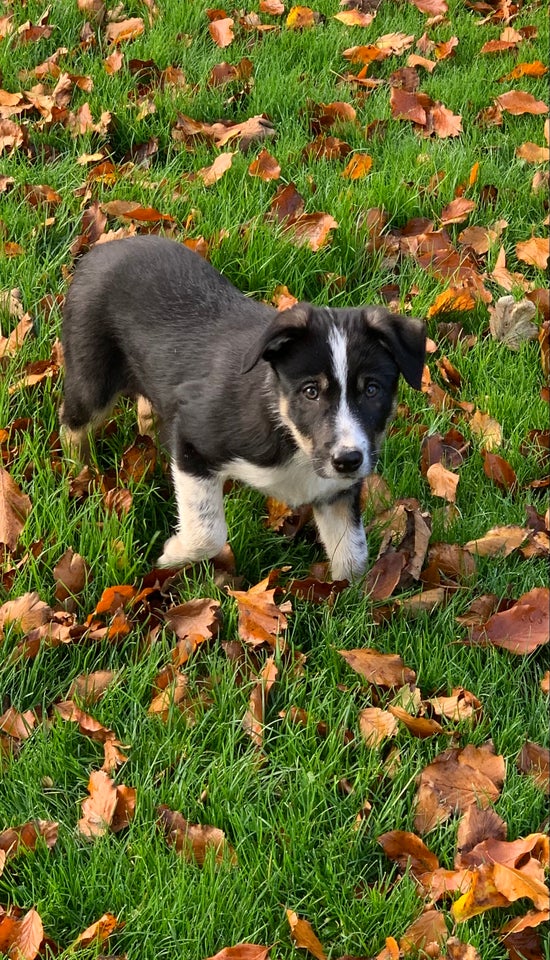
[{"x": 294, "y": 404}]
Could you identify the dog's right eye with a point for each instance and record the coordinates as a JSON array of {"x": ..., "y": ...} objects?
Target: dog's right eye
[{"x": 311, "y": 391}]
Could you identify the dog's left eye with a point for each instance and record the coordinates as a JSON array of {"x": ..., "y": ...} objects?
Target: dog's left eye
[
  {"x": 371, "y": 389},
  {"x": 311, "y": 391}
]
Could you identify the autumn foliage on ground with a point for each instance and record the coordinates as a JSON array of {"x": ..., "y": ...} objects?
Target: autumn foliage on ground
[{"x": 244, "y": 760}]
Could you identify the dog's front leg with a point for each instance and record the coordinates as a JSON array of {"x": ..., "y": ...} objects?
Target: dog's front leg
[
  {"x": 343, "y": 535},
  {"x": 201, "y": 529}
]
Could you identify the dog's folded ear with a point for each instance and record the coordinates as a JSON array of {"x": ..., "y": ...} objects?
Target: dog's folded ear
[
  {"x": 286, "y": 327},
  {"x": 404, "y": 337}
]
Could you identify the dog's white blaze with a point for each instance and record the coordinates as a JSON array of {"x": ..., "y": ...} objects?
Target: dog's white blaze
[
  {"x": 201, "y": 530},
  {"x": 348, "y": 432}
]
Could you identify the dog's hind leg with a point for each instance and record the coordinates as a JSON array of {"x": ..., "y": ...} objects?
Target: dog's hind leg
[
  {"x": 201, "y": 529},
  {"x": 343, "y": 535}
]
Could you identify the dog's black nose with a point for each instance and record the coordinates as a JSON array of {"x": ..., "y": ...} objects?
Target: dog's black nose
[{"x": 347, "y": 461}]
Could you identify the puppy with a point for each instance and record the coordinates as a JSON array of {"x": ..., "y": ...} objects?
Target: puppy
[{"x": 294, "y": 404}]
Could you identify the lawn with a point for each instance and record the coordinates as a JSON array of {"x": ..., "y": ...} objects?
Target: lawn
[{"x": 192, "y": 777}]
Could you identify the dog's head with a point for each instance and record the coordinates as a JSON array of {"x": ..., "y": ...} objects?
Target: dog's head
[{"x": 336, "y": 377}]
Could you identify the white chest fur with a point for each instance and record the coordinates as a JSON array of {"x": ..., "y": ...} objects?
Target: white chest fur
[{"x": 294, "y": 483}]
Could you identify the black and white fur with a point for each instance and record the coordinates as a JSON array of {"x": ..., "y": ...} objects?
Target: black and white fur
[{"x": 294, "y": 404}]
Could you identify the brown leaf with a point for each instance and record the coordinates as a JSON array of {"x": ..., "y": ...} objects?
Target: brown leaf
[
  {"x": 99, "y": 808},
  {"x": 498, "y": 541},
  {"x": 70, "y": 574},
  {"x": 244, "y": 951},
  {"x": 311, "y": 229},
  {"x": 497, "y": 469},
  {"x": 475, "y": 826},
  {"x": 461, "y": 705},
  {"x": 488, "y": 430},
  {"x": 408, "y": 850},
  {"x": 496, "y": 885},
  {"x": 17, "y": 725},
  {"x": 534, "y": 760},
  {"x": 287, "y": 203},
  {"x": 302, "y": 933},
  {"x": 382, "y": 669},
  {"x": 194, "y": 841},
  {"x": 265, "y": 166},
  {"x": 428, "y": 930},
  {"x": 534, "y": 69},
  {"x": 23, "y": 938},
  {"x": 99, "y": 931},
  {"x": 221, "y": 31},
  {"x": 15, "y": 507},
  {"x": 26, "y": 836},
  {"x": 124, "y": 30},
  {"x": 376, "y": 725},
  {"x": 457, "y": 210},
  {"x": 443, "y": 482},
  {"x": 533, "y": 153},
  {"x": 90, "y": 687},
  {"x": 272, "y": 7},
  {"x": 455, "y": 780},
  {"x": 517, "y": 102},
  {"x": 385, "y": 574},
  {"x": 354, "y": 18},
  {"x": 420, "y": 727},
  {"x": 451, "y": 300},
  {"x": 261, "y": 621},
  {"x": 254, "y": 718},
  {"x": 520, "y": 629},
  {"x": 534, "y": 251}
]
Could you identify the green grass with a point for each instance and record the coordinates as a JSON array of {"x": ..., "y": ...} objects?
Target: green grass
[{"x": 292, "y": 828}]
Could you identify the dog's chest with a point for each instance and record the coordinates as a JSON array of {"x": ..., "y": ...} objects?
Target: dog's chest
[{"x": 293, "y": 483}]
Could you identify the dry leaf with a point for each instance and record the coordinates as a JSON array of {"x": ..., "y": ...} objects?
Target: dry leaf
[
  {"x": 221, "y": 31},
  {"x": 254, "y": 718},
  {"x": 303, "y": 935},
  {"x": 15, "y": 507},
  {"x": 520, "y": 629},
  {"x": 194, "y": 841},
  {"x": 511, "y": 321},
  {"x": 244, "y": 951},
  {"x": 382, "y": 669},
  {"x": 534, "y": 251},
  {"x": 408, "y": 851},
  {"x": 517, "y": 102},
  {"x": 376, "y": 725},
  {"x": 443, "y": 482},
  {"x": 124, "y": 30},
  {"x": 98, "y": 932},
  {"x": 70, "y": 574},
  {"x": 498, "y": 541},
  {"x": 535, "y": 761},
  {"x": 357, "y": 166},
  {"x": 266, "y": 167},
  {"x": 455, "y": 780}
]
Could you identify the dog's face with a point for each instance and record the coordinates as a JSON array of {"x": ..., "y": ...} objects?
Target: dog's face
[{"x": 336, "y": 378}]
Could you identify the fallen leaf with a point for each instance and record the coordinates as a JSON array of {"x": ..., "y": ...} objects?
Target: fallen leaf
[
  {"x": 420, "y": 727},
  {"x": 99, "y": 808},
  {"x": 511, "y": 321},
  {"x": 534, "y": 69},
  {"x": 357, "y": 166},
  {"x": 300, "y": 18},
  {"x": 452, "y": 299},
  {"x": 311, "y": 229},
  {"x": 498, "y": 541},
  {"x": 376, "y": 725},
  {"x": 261, "y": 620},
  {"x": 354, "y": 18},
  {"x": 254, "y": 718},
  {"x": 443, "y": 482},
  {"x": 488, "y": 430},
  {"x": 534, "y": 251},
  {"x": 26, "y": 837},
  {"x": 517, "y": 102},
  {"x": 244, "y": 951},
  {"x": 497, "y": 469},
  {"x": 265, "y": 166},
  {"x": 90, "y": 687},
  {"x": 221, "y": 31},
  {"x": 455, "y": 780},
  {"x": 382, "y": 669},
  {"x": 302, "y": 933},
  {"x": 70, "y": 574},
  {"x": 520, "y": 629},
  {"x": 98, "y": 932},
  {"x": 17, "y": 725},
  {"x": 477, "y": 824},
  {"x": 26, "y": 612},
  {"x": 427, "y": 932},
  {"x": 533, "y": 153},
  {"x": 408, "y": 851},
  {"x": 194, "y": 841},
  {"x": 457, "y": 210},
  {"x": 124, "y": 30},
  {"x": 15, "y": 507},
  {"x": 534, "y": 760}
]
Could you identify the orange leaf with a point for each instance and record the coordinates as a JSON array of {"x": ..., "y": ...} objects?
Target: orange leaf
[
  {"x": 221, "y": 31},
  {"x": 193, "y": 841},
  {"x": 265, "y": 166},
  {"x": 354, "y": 18},
  {"x": 533, "y": 153},
  {"x": 300, "y": 18},
  {"x": 302, "y": 933},
  {"x": 358, "y": 166},
  {"x": 382, "y": 669},
  {"x": 534, "y": 251},
  {"x": 498, "y": 541},
  {"x": 99, "y": 931},
  {"x": 443, "y": 482},
  {"x": 534, "y": 69},
  {"x": 312, "y": 229},
  {"x": 520, "y": 629},
  {"x": 253, "y": 721},
  {"x": 242, "y": 951},
  {"x": 452, "y": 299},
  {"x": 517, "y": 102},
  {"x": 124, "y": 30},
  {"x": 376, "y": 725},
  {"x": 99, "y": 808},
  {"x": 499, "y": 471},
  {"x": 408, "y": 850},
  {"x": 457, "y": 211}
]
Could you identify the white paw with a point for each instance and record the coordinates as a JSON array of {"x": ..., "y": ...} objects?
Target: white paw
[{"x": 175, "y": 553}]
